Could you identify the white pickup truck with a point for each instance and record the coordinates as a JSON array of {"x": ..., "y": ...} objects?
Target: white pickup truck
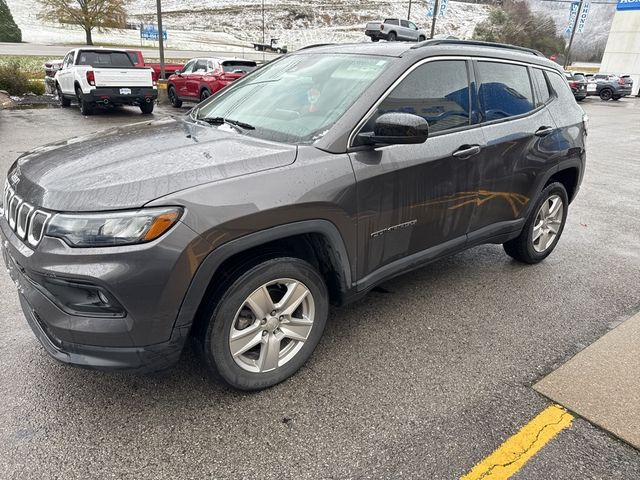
[
  {"x": 98, "y": 76},
  {"x": 393, "y": 29}
]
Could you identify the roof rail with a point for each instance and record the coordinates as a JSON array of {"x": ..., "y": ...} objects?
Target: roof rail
[
  {"x": 314, "y": 45},
  {"x": 477, "y": 43}
]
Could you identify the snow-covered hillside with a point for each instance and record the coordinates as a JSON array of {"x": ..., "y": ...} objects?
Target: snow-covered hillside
[{"x": 197, "y": 24}]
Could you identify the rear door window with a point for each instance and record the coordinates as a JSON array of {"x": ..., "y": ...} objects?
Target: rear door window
[
  {"x": 541, "y": 86},
  {"x": 436, "y": 91},
  {"x": 104, "y": 59},
  {"x": 505, "y": 90},
  {"x": 404, "y": 23}
]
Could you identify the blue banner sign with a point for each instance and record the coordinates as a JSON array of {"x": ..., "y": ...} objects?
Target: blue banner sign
[
  {"x": 628, "y": 5},
  {"x": 442, "y": 7},
  {"x": 573, "y": 13},
  {"x": 584, "y": 13},
  {"x": 150, "y": 32}
]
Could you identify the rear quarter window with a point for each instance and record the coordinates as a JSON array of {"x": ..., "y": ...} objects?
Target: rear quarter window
[
  {"x": 505, "y": 90},
  {"x": 560, "y": 87},
  {"x": 541, "y": 86}
]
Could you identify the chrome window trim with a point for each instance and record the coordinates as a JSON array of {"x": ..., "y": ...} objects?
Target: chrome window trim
[{"x": 386, "y": 93}]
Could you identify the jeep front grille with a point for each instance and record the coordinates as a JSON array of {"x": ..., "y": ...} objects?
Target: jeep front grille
[{"x": 24, "y": 219}]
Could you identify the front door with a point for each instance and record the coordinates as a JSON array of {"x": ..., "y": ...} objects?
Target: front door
[
  {"x": 416, "y": 199},
  {"x": 181, "y": 80}
]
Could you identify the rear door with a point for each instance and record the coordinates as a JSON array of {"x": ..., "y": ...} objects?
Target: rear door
[
  {"x": 414, "y": 199},
  {"x": 520, "y": 136}
]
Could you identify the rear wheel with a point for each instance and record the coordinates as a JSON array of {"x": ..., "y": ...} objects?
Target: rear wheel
[
  {"x": 64, "y": 102},
  {"x": 86, "y": 107},
  {"x": 173, "y": 97},
  {"x": 204, "y": 94},
  {"x": 606, "y": 94},
  {"x": 375, "y": 39},
  {"x": 147, "y": 108},
  {"x": 421, "y": 38},
  {"x": 266, "y": 324},
  {"x": 543, "y": 228},
  {"x": 392, "y": 37}
]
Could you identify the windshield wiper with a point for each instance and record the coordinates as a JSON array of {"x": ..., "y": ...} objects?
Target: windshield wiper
[{"x": 227, "y": 121}]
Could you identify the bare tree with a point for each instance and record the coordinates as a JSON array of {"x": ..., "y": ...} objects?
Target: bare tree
[{"x": 89, "y": 14}]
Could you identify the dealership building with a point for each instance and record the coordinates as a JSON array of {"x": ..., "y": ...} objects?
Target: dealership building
[{"x": 622, "y": 53}]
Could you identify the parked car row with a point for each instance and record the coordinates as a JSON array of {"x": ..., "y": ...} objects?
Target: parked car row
[
  {"x": 101, "y": 77},
  {"x": 607, "y": 86}
]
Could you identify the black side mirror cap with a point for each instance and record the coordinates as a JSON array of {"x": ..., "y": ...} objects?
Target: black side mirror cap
[{"x": 396, "y": 128}]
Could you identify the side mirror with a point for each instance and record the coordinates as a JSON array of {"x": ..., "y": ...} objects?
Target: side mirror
[{"x": 396, "y": 129}]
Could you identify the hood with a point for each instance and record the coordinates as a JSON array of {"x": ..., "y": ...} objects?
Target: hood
[{"x": 128, "y": 166}]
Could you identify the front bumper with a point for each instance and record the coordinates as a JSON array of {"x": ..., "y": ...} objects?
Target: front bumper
[
  {"x": 146, "y": 338},
  {"x": 138, "y": 95}
]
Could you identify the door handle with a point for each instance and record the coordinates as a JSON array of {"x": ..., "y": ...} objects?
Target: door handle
[
  {"x": 467, "y": 151},
  {"x": 543, "y": 131}
]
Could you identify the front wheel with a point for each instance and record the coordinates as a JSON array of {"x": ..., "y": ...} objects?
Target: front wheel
[
  {"x": 421, "y": 38},
  {"x": 64, "y": 102},
  {"x": 173, "y": 97},
  {"x": 204, "y": 95},
  {"x": 266, "y": 324},
  {"x": 543, "y": 228}
]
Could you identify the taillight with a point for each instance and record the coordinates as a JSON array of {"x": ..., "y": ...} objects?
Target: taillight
[
  {"x": 585, "y": 123},
  {"x": 91, "y": 78},
  {"x": 621, "y": 81},
  {"x": 573, "y": 84},
  {"x": 382, "y": 26}
]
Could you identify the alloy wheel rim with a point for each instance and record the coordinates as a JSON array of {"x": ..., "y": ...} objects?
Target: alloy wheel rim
[
  {"x": 272, "y": 325},
  {"x": 547, "y": 223}
]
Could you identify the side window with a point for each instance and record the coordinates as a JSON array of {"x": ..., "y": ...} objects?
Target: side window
[
  {"x": 67, "y": 60},
  {"x": 437, "y": 91},
  {"x": 541, "y": 86},
  {"x": 560, "y": 87},
  {"x": 392, "y": 21},
  {"x": 404, "y": 23},
  {"x": 188, "y": 68},
  {"x": 412, "y": 26},
  {"x": 201, "y": 66},
  {"x": 505, "y": 90}
]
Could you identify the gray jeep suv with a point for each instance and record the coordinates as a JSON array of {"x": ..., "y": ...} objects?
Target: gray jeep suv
[{"x": 306, "y": 183}]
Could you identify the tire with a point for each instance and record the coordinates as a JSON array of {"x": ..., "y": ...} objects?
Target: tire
[
  {"x": 278, "y": 50},
  {"x": 421, "y": 38},
  {"x": 615, "y": 98},
  {"x": 606, "y": 94},
  {"x": 147, "y": 108},
  {"x": 86, "y": 108},
  {"x": 173, "y": 97},
  {"x": 204, "y": 95},
  {"x": 375, "y": 39},
  {"x": 392, "y": 37},
  {"x": 250, "y": 369},
  {"x": 64, "y": 102},
  {"x": 524, "y": 248}
]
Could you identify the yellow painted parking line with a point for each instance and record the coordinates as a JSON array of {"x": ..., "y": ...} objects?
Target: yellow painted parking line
[{"x": 518, "y": 450}]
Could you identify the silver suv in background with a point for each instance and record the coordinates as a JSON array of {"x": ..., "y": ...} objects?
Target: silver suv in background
[{"x": 393, "y": 29}]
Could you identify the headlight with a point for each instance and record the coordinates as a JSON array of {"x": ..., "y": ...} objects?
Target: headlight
[{"x": 113, "y": 228}]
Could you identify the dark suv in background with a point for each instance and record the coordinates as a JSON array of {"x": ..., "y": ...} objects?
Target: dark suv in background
[
  {"x": 305, "y": 183},
  {"x": 578, "y": 84}
]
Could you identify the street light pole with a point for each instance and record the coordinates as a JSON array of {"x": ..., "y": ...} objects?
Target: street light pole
[
  {"x": 573, "y": 32},
  {"x": 263, "y": 39},
  {"x": 409, "y": 14},
  {"x": 436, "y": 6},
  {"x": 160, "y": 38}
]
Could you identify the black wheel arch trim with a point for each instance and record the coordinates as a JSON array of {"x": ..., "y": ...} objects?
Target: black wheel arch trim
[{"x": 212, "y": 262}]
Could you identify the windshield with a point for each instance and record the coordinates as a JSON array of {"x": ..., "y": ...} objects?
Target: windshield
[{"x": 295, "y": 99}]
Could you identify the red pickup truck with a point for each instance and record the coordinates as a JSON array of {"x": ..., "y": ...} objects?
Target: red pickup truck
[{"x": 138, "y": 60}]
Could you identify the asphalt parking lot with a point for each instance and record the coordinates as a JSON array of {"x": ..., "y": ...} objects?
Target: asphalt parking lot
[{"x": 423, "y": 378}]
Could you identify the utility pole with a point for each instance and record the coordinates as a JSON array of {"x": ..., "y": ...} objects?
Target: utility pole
[
  {"x": 160, "y": 38},
  {"x": 409, "y": 14},
  {"x": 573, "y": 32},
  {"x": 263, "y": 38},
  {"x": 436, "y": 6}
]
